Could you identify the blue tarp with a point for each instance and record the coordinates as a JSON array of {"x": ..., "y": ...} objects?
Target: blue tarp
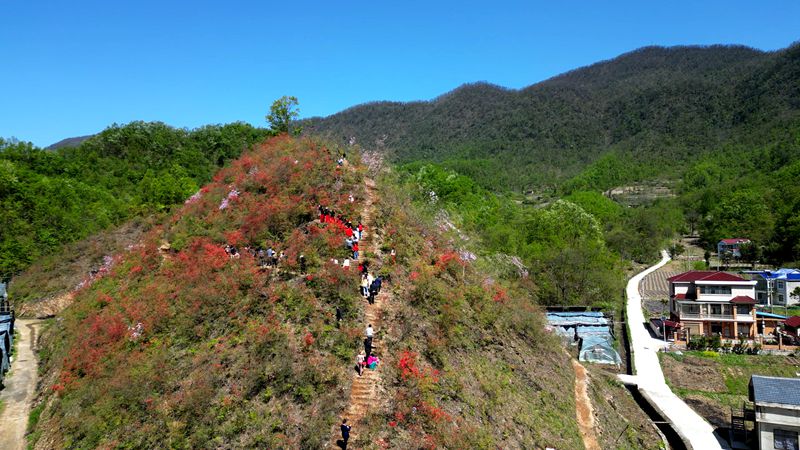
[
  {"x": 7, "y": 318},
  {"x": 576, "y": 318},
  {"x": 767, "y": 315},
  {"x": 8, "y": 340},
  {"x": 594, "y": 332},
  {"x": 5, "y": 362}
]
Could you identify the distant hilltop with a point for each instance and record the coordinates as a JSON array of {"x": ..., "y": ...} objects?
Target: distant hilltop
[{"x": 69, "y": 142}]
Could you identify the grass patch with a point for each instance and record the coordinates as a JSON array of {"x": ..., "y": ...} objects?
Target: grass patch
[
  {"x": 33, "y": 420},
  {"x": 693, "y": 374}
]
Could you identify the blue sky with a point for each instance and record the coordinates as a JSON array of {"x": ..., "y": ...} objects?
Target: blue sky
[{"x": 73, "y": 68}]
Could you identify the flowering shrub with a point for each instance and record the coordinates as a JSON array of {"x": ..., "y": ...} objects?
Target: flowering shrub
[{"x": 185, "y": 334}]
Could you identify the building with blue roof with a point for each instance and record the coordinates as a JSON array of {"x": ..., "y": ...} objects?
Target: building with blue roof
[
  {"x": 776, "y": 287},
  {"x": 777, "y": 411}
]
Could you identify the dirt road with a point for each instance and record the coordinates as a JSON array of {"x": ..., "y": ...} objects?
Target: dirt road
[
  {"x": 583, "y": 407},
  {"x": 20, "y": 386}
]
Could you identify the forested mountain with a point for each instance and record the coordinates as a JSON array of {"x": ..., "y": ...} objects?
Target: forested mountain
[
  {"x": 719, "y": 124},
  {"x": 654, "y": 105}
]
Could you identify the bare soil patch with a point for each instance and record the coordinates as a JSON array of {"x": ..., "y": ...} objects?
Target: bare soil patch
[
  {"x": 694, "y": 373},
  {"x": 716, "y": 414}
]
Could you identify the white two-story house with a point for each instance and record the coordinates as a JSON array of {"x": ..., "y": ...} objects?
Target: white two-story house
[{"x": 708, "y": 303}]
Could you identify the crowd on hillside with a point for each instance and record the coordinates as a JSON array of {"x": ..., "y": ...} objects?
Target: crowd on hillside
[
  {"x": 266, "y": 258},
  {"x": 369, "y": 287}
]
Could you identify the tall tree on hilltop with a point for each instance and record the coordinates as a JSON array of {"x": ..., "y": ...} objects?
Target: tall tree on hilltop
[{"x": 281, "y": 113}]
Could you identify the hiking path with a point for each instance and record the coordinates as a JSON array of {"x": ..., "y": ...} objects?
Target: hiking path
[
  {"x": 20, "y": 388},
  {"x": 364, "y": 394}
]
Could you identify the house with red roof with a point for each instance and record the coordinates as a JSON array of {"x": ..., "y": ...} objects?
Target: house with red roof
[
  {"x": 708, "y": 303},
  {"x": 731, "y": 246}
]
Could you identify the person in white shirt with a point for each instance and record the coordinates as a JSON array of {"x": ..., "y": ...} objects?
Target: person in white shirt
[{"x": 370, "y": 331}]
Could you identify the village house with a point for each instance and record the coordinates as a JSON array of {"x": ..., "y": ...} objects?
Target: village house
[
  {"x": 776, "y": 287},
  {"x": 709, "y": 303},
  {"x": 777, "y": 411},
  {"x": 731, "y": 245}
]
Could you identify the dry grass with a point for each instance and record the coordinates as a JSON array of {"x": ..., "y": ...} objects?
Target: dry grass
[{"x": 42, "y": 289}]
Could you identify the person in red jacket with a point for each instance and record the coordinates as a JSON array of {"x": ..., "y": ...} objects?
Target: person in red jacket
[{"x": 355, "y": 250}]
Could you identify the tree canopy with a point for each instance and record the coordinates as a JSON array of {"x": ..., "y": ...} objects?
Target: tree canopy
[{"x": 281, "y": 114}]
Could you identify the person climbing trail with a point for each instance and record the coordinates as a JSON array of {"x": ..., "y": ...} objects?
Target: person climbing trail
[
  {"x": 345, "y": 433},
  {"x": 364, "y": 285},
  {"x": 372, "y": 362},
  {"x": 368, "y": 346},
  {"x": 302, "y": 264},
  {"x": 355, "y": 250},
  {"x": 361, "y": 361},
  {"x": 376, "y": 284},
  {"x": 339, "y": 316}
]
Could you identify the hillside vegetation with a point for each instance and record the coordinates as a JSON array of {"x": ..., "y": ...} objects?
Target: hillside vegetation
[
  {"x": 190, "y": 348},
  {"x": 50, "y": 198},
  {"x": 655, "y": 105},
  {"x": 720, "y": 123}
]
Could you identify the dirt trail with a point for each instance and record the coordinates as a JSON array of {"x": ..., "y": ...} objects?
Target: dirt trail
[
  {"x": 364, "y": 394},
  {"x": 583, "y": 407},
  {"x": 20, "y": 387}
]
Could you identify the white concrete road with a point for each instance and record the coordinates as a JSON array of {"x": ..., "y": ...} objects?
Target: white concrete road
[{"x": 649, "y": 378}]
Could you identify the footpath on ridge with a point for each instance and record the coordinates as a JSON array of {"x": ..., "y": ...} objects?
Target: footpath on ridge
[
  {"x": 583, "y": 407},
  {"x": 364, "y": 393},
  {"x": 20, "y": 388},
  {"x": 695, "y": 432}
]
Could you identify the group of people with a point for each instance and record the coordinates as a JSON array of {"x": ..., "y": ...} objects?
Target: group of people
[
  {"x": 366, "y": 358},
  {"x": 370, "y": 286},
  {"x": 353, "y": 233},
  {"x": 266, "y": 258},
  {"x": 269, "y": 257}
]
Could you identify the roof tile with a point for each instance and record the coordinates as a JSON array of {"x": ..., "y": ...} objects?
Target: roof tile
[
  {"x": 704, "y": 275},
  {"x": 784, "y": 391}
]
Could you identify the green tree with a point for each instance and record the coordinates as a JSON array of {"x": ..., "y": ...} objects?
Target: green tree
[
  {"x": 795, "y": 294},
  {"x": 750, "y": 252},
  {"x": 281, "y": 114}
]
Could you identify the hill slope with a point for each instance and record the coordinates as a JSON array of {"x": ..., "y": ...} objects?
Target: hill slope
[
  {"x": 191, "y": 348},
  {"x": 656, "y": 104},
  {"x": 49, "y": 198},
  {"x": 69, "y": 142}
]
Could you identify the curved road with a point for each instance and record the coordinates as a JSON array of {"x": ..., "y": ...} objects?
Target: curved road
[
  {"x": 693, "y": 429},
  {"x": 20, "y": 387}
]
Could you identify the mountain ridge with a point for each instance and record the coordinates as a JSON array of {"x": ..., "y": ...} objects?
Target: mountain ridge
[{"x": 672, "y": 103}]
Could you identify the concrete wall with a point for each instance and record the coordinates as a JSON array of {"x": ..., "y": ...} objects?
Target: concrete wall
[
  {"x": 786, "y": 292},
  {"x": 736, "y": 290},
  {"x": 770, "y": 418}
]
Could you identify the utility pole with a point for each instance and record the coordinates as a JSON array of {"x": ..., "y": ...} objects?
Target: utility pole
[{"x": 769, "y": 294}]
